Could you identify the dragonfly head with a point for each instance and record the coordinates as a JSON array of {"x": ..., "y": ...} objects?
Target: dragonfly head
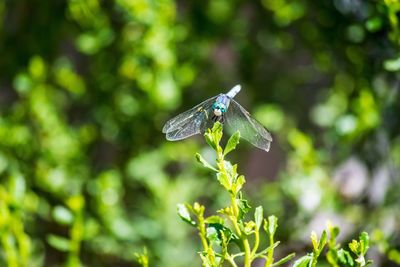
[{"x": 219, "y": 108}]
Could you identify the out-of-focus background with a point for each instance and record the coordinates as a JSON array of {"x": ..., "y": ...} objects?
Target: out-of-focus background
[{"x": 86, "y": 176}]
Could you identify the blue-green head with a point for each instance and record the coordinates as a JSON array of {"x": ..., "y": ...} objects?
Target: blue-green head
[{"x": 219, "y": 108}]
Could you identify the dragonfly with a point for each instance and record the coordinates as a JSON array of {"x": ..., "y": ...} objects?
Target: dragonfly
[{"x": 224, "y": 109}]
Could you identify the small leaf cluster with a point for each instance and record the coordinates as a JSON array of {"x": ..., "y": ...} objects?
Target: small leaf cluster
[
  {"x": 336, "y": 256},
  {"x": 142, "y": 258},
  {"x": 228, "y": 236}
]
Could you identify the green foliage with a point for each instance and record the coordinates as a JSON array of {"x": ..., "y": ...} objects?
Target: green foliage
[
  {"x": 220, "y": 237},
  {"x": 337, "y": 256},
  {"x": 86, "y": 176},
  {"x": 15, "y": 242}
]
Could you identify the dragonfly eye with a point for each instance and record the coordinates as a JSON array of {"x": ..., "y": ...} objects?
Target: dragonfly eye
[{"x": 219, "y": 109}]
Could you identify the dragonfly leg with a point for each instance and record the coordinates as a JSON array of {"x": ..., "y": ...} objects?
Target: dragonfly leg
[{"x": 216, "y": 118}]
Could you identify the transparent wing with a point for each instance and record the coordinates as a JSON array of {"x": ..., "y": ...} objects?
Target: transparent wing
[
  {"x": 190, "y": 122},
  {"x": 237, "y": 118}
]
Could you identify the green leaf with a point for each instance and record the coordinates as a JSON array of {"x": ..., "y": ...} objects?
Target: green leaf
[
  {"x": 231, "y": 170},
  {"x": 214, "y": 233},
  {"x": 244, "y": 207},
  {"x": 345, "y": 257},
  {"x": 374, "y": 24},
  {"x": 205, "y": 163},
  {"x": 213, "y": 136},
  {"x": 214, "y": 219},
  {"x": 62, "y": 215},
  {"x": 322, "y": 241},
  {"x": 224, "y": 180},
  {"x": 333, "y": 233},
  {"x": 303, "y": 261},
  {"x": 239, "y": 183},
  {"x": 217, "y": 132},
  {"x": 58, "y": 242},
  {"x": 364, "y": 242},
  {"x": 17, "y": 186},
  {"x": 394, "y": 255},
  {"x": 37, "y": 68},
  {"x": 272, "y": 224},
  {"x": 284, "y": 260},
  {"x": 184, "y": 213},
  {"x": 355, "y": 247},
  {"x": 314, "y": 240},
  {"x": 232, "y": 142},
  {"x": 392, "y": 64},
  {"x": 23, "y": 83},
  {"x": 258, "y": 216},
  {"x": 210, "y": 140}
]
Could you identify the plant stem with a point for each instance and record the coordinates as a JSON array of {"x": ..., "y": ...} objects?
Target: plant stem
[
  {"x": 270, "y": 254},
  {"x": 243, "y": 237},
  {"x": 231, "y": 261},
  {"x": 256, "y": 243},
  {"x": 202, "y": 232},
  {"x": 235, "y": 210},
  {"x": 314, "y": 261}
]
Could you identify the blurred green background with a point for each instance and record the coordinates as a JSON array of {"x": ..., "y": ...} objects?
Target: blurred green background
[{"x": 88, "y": 179}]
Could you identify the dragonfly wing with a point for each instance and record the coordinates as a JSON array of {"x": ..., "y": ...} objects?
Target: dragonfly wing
[
  {"x": 190, "y": 122},
  {"x": 237, "y": 118}
]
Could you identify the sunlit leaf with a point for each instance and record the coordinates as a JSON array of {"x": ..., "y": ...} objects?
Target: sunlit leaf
[
  {"x": 322, "y": 241},
  {"x": 239, "y": 183},
  {"x": 303, "y": 261},
  {"x": 345, "y": 257},
  {"x": 272, "y": 224},
  {"x": 244, "y": 207},
  {"x": 184, "y": 214},
  {"x": 232, "y": 142},
  {"x": 59, "y": 243},
  {"x": 392, "y": 64},
  {"x": 285, "y": 259},
  {"x": 204, "y": 162},
  {"x": 258, "y": 216},
  {"x": 214, "y": 220},
  {"x": 364, "y": 242},
  {"x": 224, "y": 180},
  {"x": 62, "y": 215}
]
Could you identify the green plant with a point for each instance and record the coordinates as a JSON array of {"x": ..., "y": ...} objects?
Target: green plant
[
  {"x": 15, "y": 243},
  {"x": 336, "y": 256},
  {"x": 226, "y": 240},
  {"x": 230, "y": 235},
  {"x": 142, "y": 258}
]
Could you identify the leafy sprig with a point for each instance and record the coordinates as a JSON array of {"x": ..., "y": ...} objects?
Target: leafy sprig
[
  {"x": 228, "y": 237},
  {"x": 229, "y": 228}
]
